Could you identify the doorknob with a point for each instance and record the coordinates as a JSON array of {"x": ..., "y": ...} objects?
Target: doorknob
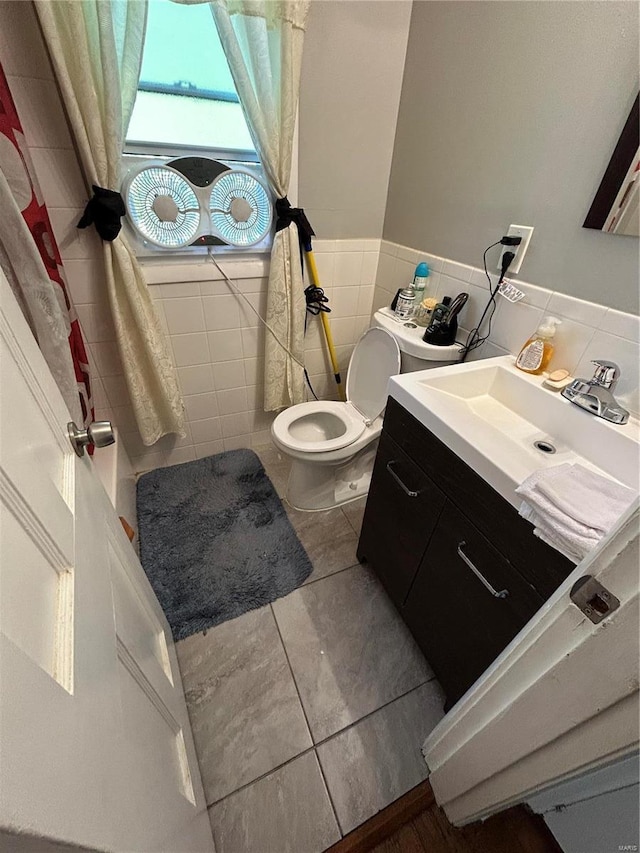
[{"x": 99, "y": 434}]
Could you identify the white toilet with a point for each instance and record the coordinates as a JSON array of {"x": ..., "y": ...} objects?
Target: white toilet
[{"x": 333, "y": 445}]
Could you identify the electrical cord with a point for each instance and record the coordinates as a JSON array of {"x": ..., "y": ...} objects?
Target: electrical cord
[
  {"x": 474, "y": 340},
  {"x": 238, "y": 292}
]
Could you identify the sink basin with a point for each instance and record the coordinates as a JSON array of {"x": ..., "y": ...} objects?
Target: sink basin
[{"x": 505, "y": 425}]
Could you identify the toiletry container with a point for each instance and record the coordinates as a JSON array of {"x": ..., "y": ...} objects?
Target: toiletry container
[
  {"x": 424, "y": 311},
  {"x": 421, "y": 282},
  {"x": 536, "y": 354},
  {"x": 405, "y": 304}
]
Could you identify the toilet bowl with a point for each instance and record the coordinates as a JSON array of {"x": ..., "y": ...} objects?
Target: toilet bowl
[{"x": 333, "y": 445}]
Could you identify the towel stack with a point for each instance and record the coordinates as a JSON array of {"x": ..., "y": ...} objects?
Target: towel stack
[{"x": 572, "y": 508}]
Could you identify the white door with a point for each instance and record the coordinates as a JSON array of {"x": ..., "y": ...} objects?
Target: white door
[{"x": 95, "y": 747}]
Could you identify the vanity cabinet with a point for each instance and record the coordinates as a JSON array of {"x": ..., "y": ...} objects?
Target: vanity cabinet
[
  {"x": 410, "y": 504},
  {"x": 463, "y": 568}
]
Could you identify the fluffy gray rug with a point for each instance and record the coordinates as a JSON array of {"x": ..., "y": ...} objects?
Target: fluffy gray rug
[{"x": 215, "y": 540}]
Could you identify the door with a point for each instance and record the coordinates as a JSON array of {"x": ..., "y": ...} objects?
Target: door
[
  {"x": 402, "y": 509},
  {"x": 96, "y": 748}
]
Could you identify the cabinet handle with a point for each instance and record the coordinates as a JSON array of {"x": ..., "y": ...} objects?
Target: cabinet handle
[
  {"x": 503, "y": 592},
  {"x": 404, "y": 488}
]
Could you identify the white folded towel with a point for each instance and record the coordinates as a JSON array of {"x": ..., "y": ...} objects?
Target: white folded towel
[
  {"x": 587, "y": 497},
  {"x": 571, "y": 507},
  {"x": 573, "y": 545}
]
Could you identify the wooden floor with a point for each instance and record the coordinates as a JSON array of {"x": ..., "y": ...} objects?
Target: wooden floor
[{"x": 415, "y": 824}]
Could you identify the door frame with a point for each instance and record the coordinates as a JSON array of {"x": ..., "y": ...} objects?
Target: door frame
[{"x": 528, "y": 722}]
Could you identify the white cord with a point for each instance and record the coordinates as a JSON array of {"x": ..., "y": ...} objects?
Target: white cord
[{"x": 237, "y": 290}]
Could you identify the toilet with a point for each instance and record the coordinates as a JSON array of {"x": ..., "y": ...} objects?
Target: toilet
[{"x": 333, "y": 445}]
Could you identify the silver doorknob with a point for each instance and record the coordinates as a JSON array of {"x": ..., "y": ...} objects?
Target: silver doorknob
[{"x": 99, "y": 434}]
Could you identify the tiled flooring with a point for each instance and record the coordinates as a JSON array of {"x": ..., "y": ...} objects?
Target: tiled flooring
[{"x": 308, "y": 714}]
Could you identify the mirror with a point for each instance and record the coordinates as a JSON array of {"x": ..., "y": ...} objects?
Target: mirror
[{"x": 615, "y": 208}]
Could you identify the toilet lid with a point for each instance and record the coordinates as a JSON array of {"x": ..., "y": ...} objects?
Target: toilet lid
[{"x": 375, "y": 359}]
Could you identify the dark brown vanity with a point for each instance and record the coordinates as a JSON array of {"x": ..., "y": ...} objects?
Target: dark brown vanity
[{"x": 462, "y": 567}]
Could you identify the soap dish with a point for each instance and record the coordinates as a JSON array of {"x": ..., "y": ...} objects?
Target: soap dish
[{"x": 557, "y": 380}]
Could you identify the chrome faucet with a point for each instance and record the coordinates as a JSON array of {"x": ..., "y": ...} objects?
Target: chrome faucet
[{"x": 596, "y": 395}]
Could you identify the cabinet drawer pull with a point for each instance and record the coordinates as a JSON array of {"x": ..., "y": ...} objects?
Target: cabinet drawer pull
[
  {"x": 503, "y": 592},
  {"x": 404, "y": 488}
]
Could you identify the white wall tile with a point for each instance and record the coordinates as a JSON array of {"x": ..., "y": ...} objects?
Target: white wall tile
[
  {"x": 197, "y": 379},
  {"x": 96, "y": 324},
  {"x": 209, "y": 448},
  {"x": 184, "y": 315},
  {"x": 229, "y": 374},
  {"x": 116, "y": 388},
  {"x": 60, "y": 180},
  {"x": 326, "y": 267},
  {"x": 460, "y": 271},
  {"x": 385, "y": 272},
  {"x": 225, "y": 345},
  {"x": 622, "y": 325},
  {"x": 569, "y": 343},
  {"x": 73, "y": 242},
  {"x": 235, "y": 425},
  {"x": 587, "y": 313},
  {"x": 221, "y": 312},
  {"x": 107, "y": 357},
  {"x": 253, "y": 341},
  {"x": 41, "y": 114},
  {"x": 174, "y": 290},
  {"x": 232, "y": 401},
  {"x": 206, "y": 430},
  {"x": 201, "y": 406},
  {"x": 347, "y": 269},
  {"x": 514, "y": 324},
  {"x": 86, "y": 279},
  {"x": 190, "y": 349},
  {"x": 369, "y": 268},
  {"x": 345, "y": 301},
  {"x": 253, "y": 371}
]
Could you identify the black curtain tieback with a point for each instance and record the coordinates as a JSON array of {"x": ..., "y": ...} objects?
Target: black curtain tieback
[
  {"x": 104, "y": 210},
  {"x": 285, "y": 215}
]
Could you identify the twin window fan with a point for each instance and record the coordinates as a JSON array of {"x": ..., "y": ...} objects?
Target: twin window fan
[{"x": 196, "y": 201}]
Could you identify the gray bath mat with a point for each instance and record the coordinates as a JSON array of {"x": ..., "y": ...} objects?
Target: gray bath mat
[{"x": 215, "y": 540}]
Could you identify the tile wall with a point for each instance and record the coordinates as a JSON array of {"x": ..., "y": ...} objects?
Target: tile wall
[{"x": 588, "y": 330}]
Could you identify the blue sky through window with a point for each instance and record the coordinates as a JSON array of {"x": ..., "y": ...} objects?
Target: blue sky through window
[{"x": 182, "y": 44}]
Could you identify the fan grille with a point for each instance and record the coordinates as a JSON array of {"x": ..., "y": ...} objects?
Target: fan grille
[
  {"x": 143, "y": 190},
  {"x": 240, "y": 185}
]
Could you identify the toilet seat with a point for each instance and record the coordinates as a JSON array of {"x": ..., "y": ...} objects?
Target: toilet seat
[
  {"x": 325, "y": 425},
  {"x": 300, "y": 427}
]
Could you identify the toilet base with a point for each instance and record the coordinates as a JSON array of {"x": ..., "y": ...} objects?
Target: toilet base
[{"x": 314, "y": 486}]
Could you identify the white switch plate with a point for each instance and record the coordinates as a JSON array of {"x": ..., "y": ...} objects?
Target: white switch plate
[{"x": 524, "y": 231}]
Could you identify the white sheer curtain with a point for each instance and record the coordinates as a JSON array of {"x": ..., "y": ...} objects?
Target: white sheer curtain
[
  {"x": 263, "y": 41},
  {"x": 96, "y": 47}
]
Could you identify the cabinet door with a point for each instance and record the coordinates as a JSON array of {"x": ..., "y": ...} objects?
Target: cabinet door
[
  {"x": 402, "y": 510},
  {"x": 466, "y": 604}
]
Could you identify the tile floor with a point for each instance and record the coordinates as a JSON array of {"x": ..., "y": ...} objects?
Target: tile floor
[{"x": 308, "y": 714}]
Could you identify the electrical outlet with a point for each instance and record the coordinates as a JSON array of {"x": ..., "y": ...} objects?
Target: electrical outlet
[{"x": 524, "y": 231}]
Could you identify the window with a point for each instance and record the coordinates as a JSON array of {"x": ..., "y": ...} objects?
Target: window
[{"x": 186, "y": 96}]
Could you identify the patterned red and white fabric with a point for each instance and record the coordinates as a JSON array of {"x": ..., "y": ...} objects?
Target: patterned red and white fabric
[{"x": 15, "y": 164}]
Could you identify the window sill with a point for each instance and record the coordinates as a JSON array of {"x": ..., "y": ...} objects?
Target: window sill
[{"x": 165, "y": 271}]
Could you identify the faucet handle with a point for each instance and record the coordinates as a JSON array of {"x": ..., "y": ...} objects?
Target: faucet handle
[{"x": 606, "y": 373}]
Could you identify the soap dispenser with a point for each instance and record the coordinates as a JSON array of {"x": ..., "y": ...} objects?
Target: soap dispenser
[{"x": 536, "y": 354}]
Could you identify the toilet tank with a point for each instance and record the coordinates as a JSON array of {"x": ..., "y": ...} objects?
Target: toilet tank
[{"x": 414, "y": 352}]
